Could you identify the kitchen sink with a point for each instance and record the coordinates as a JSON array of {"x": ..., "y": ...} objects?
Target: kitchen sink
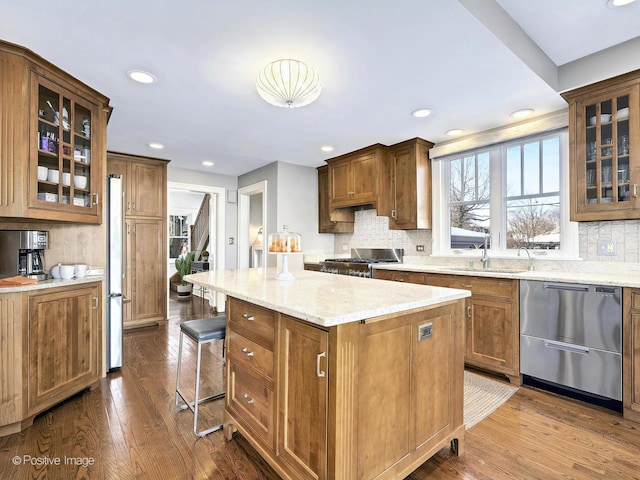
[{"x": 487, "y": 270}]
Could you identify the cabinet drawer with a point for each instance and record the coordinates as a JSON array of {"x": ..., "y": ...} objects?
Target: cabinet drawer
[
  {"x": 399, "y": 276},
  {"x": 249, "y": 353},
  {"x": 477, "y": 285},
  {"x": 635, "y": 299},
  {"x": 252, "y": 402},
  {"x": 253, "y": 319}
]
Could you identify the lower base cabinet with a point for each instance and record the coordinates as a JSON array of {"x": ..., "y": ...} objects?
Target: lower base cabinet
[
  {"x": 361, "y": 400},
  {"x": 54, "y": 349},
  {"x": 492, "y": 318},
  {"x": 631, "y": 355}
]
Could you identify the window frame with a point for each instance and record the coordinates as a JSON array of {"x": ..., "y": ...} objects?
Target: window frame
[{"x": 441, "y": 185}]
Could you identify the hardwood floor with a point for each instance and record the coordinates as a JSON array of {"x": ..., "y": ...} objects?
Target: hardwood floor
[{"x": 129, "y": 428}]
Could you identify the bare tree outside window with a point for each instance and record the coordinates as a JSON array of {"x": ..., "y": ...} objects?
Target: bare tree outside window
[{"x": 469, "y": 200}]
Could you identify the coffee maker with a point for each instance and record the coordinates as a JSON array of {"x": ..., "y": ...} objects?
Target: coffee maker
[{"x": 23, "y": 253}]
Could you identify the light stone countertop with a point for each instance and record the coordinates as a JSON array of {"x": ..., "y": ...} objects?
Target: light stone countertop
[
  {"x": 52, "y": 283},
  {"x": 572, "y": 276},
  {"x": 323, "y": 299}
]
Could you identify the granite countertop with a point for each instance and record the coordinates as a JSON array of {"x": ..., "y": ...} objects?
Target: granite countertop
[
  {"x": 586, "y": 277},
  {"x": 323, "y": 299},
  {"x": 52, "y": 283}
]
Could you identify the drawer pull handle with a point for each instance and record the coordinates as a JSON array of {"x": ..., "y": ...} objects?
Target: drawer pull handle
[
  {"x": 247, "y": 317},
  {"x": 247, "y": 398},
  {"x": 465, "y": 285},
  {"x": 469, "y": 312},
  {"x": 320, "y": 373},
  {"x": 247, "y": 352}
]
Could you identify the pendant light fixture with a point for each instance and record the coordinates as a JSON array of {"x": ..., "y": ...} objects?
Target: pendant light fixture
[{"x": 288, "y": 83}]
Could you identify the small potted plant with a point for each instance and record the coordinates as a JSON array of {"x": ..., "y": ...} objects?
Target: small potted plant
[
  {"x": 205, "y": 255},
  {"x": 183, "y": 266}
]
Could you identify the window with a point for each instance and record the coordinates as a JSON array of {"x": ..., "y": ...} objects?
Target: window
[
  {"x": 178, "y": 234},
  {"x": 505, "y": 196}
]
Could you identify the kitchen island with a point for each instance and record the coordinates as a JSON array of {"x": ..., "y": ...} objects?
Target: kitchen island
[{"x": 337, "y": 377}]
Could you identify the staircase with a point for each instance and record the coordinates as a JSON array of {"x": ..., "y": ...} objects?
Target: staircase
[{"x": 200, "y": 228}]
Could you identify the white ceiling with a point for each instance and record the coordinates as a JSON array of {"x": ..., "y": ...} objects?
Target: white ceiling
[{"x": 468, "y": 60}]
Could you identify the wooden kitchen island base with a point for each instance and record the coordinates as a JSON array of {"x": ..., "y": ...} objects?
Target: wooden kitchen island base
[{"x": 368, "y": 399}]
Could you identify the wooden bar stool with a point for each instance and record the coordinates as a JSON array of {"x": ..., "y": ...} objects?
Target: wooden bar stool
[{"x": 201, "y": 331}]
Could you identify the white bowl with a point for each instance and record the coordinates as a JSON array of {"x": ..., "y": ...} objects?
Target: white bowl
[
  {"x": 42, "y": 173},
  {"x": 80, "y": 181},
  {"x": 622, "y": 114},
  {"x": 53, "y": 176}
]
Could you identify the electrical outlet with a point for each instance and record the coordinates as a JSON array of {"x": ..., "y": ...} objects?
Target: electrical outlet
[
  {"x": 230, "y": 240},
  {"x": 607, "y": 248},
  {"x": 419, "y": 248}
]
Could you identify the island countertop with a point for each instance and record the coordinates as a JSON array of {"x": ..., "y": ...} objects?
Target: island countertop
[{"x": 322, "y": 299}]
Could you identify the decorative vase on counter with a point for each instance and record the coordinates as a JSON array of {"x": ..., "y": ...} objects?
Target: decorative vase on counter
[{"x": 285, "y": 243}]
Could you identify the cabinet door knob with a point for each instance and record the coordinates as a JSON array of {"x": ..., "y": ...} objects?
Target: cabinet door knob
[
  {"x": 247, "y": 352},
  {"x": 247, "y": 398},
  {"x": 393, "y": 214},
  {"x": 247, "y": 317},
  {"x": 320, "y": 373}
]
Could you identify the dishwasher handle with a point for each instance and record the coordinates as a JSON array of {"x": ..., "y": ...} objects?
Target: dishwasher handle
[
  {"x": 567, "y": 347},
  {"x": 566, "y": 286}
]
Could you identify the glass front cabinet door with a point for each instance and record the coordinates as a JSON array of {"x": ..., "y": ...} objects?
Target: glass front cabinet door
[
  {"x": 62, "y": 149},
  {"x": 604, "y": 129}
]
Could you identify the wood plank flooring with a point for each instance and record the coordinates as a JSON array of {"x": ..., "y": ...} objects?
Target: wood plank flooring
[{"x": 129, "y": 428}]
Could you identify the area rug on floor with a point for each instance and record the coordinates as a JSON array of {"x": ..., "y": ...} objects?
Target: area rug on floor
[{"x": 482, "y": 396}]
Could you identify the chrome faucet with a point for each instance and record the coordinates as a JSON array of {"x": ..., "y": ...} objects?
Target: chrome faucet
[
  {"x": 531, "y": 267},
  {"x": 485, "y": 255}
]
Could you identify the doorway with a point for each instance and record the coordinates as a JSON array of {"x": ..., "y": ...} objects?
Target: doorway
[
  {"x": 216, "y": 223},
  {"x": 252, "y": 225}
]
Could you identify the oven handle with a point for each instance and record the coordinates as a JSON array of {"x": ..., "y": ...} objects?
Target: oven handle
[
  {"x": 566, "y": 286},
  {"x": 568, "y": 347}
]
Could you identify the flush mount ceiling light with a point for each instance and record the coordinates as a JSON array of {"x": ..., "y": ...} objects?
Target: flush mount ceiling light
[
  {"x": 525, "y": 112},
  {"x": 288, "y": 83},
  {"x": 141, "y": 76},
  {"x": 619, "y": 3},
  {"x": 421, "y": 112},
  {"x": 156, "y": 145},
  {"x": 453, "y": 132}
]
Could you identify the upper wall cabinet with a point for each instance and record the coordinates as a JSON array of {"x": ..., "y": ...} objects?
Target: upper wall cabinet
[
  {"x": 53, "y": 141},
  {"x": 342, "y": 220},
  {"x": 604, "y": 138},
  {"x": 353, "y": 178},
  {"x": 406, "y": 188}
]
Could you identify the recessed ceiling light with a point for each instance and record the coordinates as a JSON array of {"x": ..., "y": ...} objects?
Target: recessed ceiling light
[
  {"x": 619, "y": 3},
  {"x": 421, "y": 112},
  {"x": 327, "y": 148},
  {"x": 156, "y": 145},
  {"x": 141, "y": 76},
  {"x": 525, "y": 112},
  {"x": 453, "y": 132},
  {"x": 208, "y": 163}
]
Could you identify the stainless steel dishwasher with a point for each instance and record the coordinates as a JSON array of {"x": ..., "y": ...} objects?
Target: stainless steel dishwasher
[{"x": 571, "y": 339}]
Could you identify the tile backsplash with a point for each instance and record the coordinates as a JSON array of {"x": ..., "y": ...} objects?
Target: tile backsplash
[{"x": 372, "y": 231}]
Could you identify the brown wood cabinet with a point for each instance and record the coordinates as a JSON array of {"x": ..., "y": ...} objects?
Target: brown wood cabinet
[
  {"x": 631, "y": 353},
  {"x": 492, "y": 322},
  {"x": 350, "y": 398},
  {"x": 353, "y": 178},
  {"x": 405, "y": 192},
  {"x": 336, "y": 221},
  {"x": 54, "y": 349},
  {"x": 145, "y": 284},
  {"x": 53, "y": 141},
  {"x": 401, "y": 276},
  {"x": 604, "y": 149}
]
